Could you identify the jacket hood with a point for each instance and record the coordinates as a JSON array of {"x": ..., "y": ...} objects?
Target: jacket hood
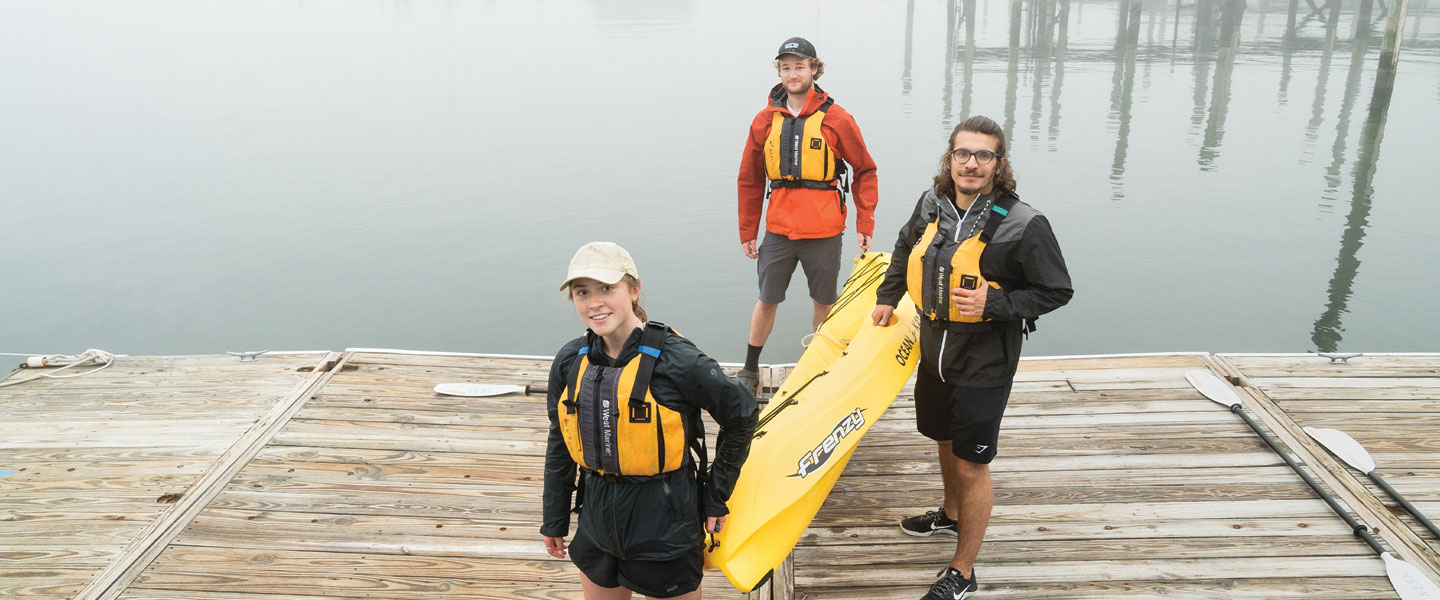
[{"x": 813, "y": 99}]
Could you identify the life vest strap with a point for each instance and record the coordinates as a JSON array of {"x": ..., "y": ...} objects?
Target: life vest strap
[
  {"x": 569, "y": 401},
  {"x": 613, "y": 477},
  {"x": 1000, "y": 209},
  {"x": 651, "y": 343},
  {"x": 808, "y": 184}
]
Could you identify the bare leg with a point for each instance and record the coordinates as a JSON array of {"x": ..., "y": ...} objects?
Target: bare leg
[
  {"x": 762, "y": 320},
  {"x": 973, "y": 497},
  {"x": 593, "y": 591},
  {"x": 821, "y": 311},
  {"x": 951, "y": 481}
]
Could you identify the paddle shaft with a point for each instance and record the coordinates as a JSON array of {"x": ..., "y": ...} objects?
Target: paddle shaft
[
  {"x": 1361, "y": 531},
  {"x": 1414, "y": 512}
]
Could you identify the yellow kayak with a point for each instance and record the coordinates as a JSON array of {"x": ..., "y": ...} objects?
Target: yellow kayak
[
  {"x": 851, "y": 308},
  {"x": 815, "y": 420}
]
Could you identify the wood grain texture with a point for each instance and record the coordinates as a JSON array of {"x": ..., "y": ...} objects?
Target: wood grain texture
[{"x": 1115, "y": 479}]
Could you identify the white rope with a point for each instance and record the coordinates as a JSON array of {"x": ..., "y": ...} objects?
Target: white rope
[
  {"x": 805, "y": 341},
  {"x": 63, "y": 361}
]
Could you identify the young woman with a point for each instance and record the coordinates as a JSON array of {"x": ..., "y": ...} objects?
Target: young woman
[{"x": 624, "y": 408}]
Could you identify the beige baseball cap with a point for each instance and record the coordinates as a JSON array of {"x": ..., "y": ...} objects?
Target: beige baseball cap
[{"x": 605, "y": 262}]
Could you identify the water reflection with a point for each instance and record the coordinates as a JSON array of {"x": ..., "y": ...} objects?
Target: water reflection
[
  {"x": 312, "y": 125},
  {"x": 1061, "y": 47},
  {"x": 1039, "y": 46},
  {"x": 1232, "y": 12},
  {"x": 958, "y": 13},
  {"x": 1317, "y": 107},
  {"x": 1012, "y": 73},
  {"x": 1328, "y": 329},
  {"x": 1042, "y": 32},
  {"x": 909, "y": 52},
  {"x": 969, "y": 59},
  {"x": 1122, "y": 90},
  {"x": 1347, "y": 104}
]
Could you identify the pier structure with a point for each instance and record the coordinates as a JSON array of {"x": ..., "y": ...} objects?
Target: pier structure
[{"x": 330, "y": 476}]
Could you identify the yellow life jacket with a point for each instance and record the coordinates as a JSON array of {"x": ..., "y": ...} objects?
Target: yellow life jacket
[
  {"x": 642, "y": 438},
  {"x": 937, "y": 265},
  {"x": 797, "y": 155}
]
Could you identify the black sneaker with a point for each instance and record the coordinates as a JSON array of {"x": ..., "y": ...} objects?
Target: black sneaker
[
  {"x": 952, "y": 586},
  {"x": 928, "y": 524}
]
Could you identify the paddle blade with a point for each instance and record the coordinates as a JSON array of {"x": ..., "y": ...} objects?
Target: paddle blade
[
  {"x": 475, "y": 390},
  {"x": 1409, "y": 581},
  {"x": 1213, "y": 387},
  {"x": 1345, "y": 447}
]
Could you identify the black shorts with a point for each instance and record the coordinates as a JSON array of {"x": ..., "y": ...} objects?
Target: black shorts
[
  {"x": 653, "y": 578},
  {"x": 819, "y": 257},
  {"x": 968, "y": 418}
]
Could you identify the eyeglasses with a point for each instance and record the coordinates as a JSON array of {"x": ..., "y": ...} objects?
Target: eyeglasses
[{"x": 962, "y": 156}]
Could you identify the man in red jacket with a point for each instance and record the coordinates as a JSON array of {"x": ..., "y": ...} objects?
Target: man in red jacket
[{"x": 795, "y": 155}]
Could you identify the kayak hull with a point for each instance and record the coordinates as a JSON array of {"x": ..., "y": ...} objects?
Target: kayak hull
[{"x": 807, "y": 436}]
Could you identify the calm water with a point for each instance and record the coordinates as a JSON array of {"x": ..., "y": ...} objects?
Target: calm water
[{"x": 189, "y": 177}]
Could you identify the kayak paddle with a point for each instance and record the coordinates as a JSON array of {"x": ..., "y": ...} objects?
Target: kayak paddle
[
  {"x": 476, "y": 390},
  {"x": 1407, "y": 579},
  {"x": 1347, "y": 449}
]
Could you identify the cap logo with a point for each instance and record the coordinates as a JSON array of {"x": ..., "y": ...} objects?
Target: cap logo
[{"x": 793, "y": 45}]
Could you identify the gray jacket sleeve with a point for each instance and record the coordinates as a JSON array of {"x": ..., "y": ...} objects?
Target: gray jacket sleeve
[
  {"x": 559, "y": 467},
  {"x": 1047, "y": 280}
]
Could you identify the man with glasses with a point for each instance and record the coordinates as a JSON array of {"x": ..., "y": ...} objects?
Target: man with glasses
[
  {"x": 795, "y": 155},
  {"x": 981, "y": 266}
]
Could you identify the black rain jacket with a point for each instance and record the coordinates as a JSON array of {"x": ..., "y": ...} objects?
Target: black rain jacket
[
  {"x": 659, "y": 518},
  {"x": 1022, "y": 256}
]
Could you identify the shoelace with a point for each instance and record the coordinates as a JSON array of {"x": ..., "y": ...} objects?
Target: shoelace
[
  {"x": 934, "y": 516},
  {"x": 950, "y": 585}
]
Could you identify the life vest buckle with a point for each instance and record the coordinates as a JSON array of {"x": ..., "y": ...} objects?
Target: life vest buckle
[{"x": 639, "y": 412}]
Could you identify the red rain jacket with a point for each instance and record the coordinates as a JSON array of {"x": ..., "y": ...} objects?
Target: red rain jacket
[{"x": 800, "y": 213}]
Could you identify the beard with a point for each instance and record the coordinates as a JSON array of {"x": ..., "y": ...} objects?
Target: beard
[{"x": 963, "y": 189}]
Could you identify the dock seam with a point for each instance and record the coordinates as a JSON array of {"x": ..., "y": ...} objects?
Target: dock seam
[
  {"x": 1369, "y": 509},
  {"x": 145, "y": 548}
]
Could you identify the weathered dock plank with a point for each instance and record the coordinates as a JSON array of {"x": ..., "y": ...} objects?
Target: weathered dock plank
[
  {"x": 1118, "y": 483},
  {"x": 99, "y": 459},
  {"x": 1115, "y": 480},
  {"x": 380, "y": 488},
  {"x": 1389, "y": 403}
]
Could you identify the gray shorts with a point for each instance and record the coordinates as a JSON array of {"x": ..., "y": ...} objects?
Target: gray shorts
[{"x": 819, "y": 257}]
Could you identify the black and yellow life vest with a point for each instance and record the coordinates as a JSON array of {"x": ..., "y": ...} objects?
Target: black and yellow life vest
[
  {"x": 797, "y": 154},
  {"x": 937, "y": 265},
  {"x": 641, "y": 438}
]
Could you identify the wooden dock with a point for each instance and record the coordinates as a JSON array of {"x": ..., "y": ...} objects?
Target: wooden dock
[{"x": 334, "y": 476}]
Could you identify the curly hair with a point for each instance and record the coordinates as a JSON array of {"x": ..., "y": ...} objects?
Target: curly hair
[
  {"x": 1004, "y": 176},
  {"x": 815, "y": 64}
]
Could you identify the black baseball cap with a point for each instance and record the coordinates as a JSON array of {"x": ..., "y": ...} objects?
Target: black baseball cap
[{"x": 798, "y": 46}]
